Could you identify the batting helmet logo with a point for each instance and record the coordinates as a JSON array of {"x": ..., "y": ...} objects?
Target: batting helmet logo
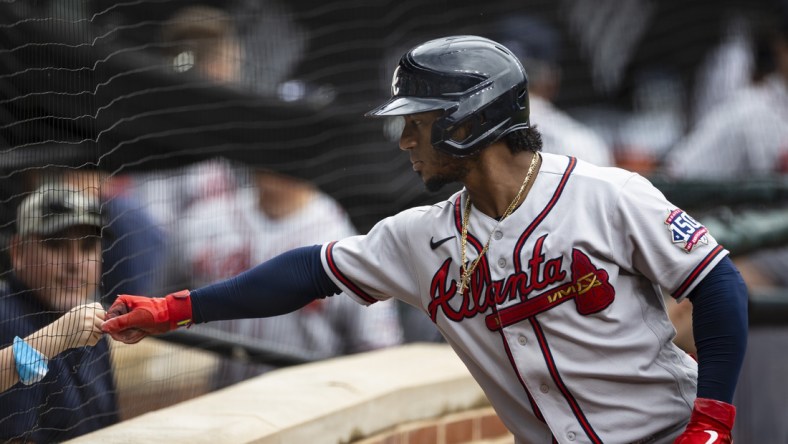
[{"x": 395, "y": 82}]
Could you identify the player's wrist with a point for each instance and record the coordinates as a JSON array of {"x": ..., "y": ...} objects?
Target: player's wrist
[
  {"x": 711, "y": 420},
  {"x": 179, "y": 309},
  {"x": 714, "y": 412}
]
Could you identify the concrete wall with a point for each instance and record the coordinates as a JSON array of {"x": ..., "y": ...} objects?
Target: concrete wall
[{"x": 382, "y": 396}]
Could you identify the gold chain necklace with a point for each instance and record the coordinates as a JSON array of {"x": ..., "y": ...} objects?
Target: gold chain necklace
[{"x": 465, "y": 272}]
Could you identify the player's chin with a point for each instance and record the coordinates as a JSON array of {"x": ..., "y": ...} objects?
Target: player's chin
[
  {"x": 434, "y": 184},
  {"x": 438, "y": 181}
]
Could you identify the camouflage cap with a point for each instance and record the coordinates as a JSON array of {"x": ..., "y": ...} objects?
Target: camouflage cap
[{"x": 53, "y": 208}]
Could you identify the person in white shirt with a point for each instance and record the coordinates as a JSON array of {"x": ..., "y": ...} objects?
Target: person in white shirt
[
  {"x": 222, "y": 236},
  {"x": 538, "y": 45},
  {"x": 746, "y": 135}
]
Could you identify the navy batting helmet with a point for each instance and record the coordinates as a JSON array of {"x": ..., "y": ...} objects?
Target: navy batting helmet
[{"x": 475, "y": 81}]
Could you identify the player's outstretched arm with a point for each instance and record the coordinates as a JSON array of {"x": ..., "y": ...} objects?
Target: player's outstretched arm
[
  {"x": 79, "y": 327},
  {"x": 278, "y": 286},
  {"x": 720, "y": 330}
]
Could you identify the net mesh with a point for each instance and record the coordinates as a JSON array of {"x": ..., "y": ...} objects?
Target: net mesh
[{"x": 180, "y": 116}]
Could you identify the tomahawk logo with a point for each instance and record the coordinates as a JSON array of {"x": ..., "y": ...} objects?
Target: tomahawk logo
[{"x": 588, "y": 287}]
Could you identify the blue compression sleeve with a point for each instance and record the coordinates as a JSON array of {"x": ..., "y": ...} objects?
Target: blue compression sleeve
[
  {"x": 719, "y": 319},
  {"x": 278, "y": 286}
]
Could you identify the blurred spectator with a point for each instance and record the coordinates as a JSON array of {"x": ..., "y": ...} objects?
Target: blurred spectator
[
  {"x": 726, "y": 69},
  {"x": 254, "y": 45},
  {"x": 200, "y": 44},
  {"x": 203, "y": 40},
  {"x": 133, "y": 243},
  {"x": 746, "y": 136},
  {"x": 658, "y": 120},
  {"x": 223, "y": 234},
  {"x": 538, "y": 46},
  {"x": 222, "y": 237},
  {"x": 56, "y": 259}
]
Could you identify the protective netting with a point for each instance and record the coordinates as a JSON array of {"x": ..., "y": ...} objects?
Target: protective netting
[{"x": 181, "y": 117}]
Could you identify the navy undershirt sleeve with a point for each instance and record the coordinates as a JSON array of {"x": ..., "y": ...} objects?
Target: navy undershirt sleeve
[
  {"x": 719, "y": 318},
  {"x": 278, "y": 286}
]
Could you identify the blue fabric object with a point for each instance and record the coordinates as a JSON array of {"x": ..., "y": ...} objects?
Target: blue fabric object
[
  {"x": 77, "y": 396},
  {"x": 719, "y": 319},
  {"x": 133, "y": 249},
  {"x": 31, "y": 365},
  {"x": 278, "y": 286}
]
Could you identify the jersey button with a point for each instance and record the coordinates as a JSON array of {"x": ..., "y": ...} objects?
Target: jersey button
[
  {"x": 498, "y": 235},
  {"x": 544, "y": 388},
  {"x": 522, "y": 340},
  {"x": 570, "y": 436},
  {"x": 501, "y": 262}
]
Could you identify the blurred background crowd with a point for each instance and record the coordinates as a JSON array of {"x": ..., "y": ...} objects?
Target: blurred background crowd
[{"x": 217, "y": 134}]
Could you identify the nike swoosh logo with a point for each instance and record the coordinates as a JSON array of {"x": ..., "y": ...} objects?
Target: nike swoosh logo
[
  {"x": 712, "y": 436},
  {"x": 434, "y": 244}
]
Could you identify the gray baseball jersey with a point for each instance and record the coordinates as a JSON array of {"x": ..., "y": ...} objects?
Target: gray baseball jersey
[{"x": 563, "y": 324}]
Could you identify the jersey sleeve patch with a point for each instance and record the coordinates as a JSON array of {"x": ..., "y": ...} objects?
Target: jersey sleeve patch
[{"x": 685, "y": 231}]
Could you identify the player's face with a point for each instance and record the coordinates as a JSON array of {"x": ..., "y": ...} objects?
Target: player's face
[
  {"x": 64, "y": 269},
  {"x": 435, "y": 168}
]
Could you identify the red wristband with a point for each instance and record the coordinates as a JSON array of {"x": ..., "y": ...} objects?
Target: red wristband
[{"x": 179, "y": 309}]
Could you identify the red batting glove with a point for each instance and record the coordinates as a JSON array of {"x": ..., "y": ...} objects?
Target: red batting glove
[
  {"x": 131, "y": 318},
  {"x": 711, "y": 422}
]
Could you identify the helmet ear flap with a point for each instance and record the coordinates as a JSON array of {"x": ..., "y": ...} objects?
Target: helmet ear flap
[
  {"x": 464, "y": 130},
  {"x": 447, "y": 132}
]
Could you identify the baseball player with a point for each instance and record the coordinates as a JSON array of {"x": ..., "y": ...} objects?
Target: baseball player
[
  {"x": 224, "y": 235},
  {"x": 544, "y": 273}
]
